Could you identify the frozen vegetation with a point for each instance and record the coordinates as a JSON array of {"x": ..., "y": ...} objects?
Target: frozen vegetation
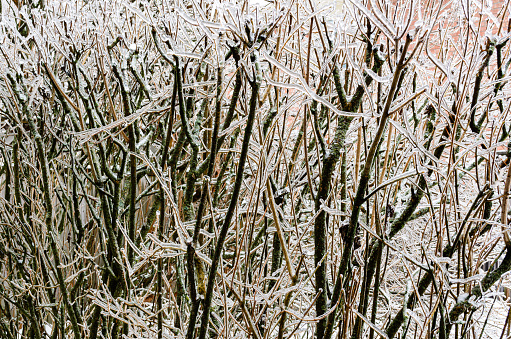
[{"x": 261, "y": 169}]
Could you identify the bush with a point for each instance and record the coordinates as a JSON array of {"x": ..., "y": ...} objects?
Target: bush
[{"x": 204, "y": 169}]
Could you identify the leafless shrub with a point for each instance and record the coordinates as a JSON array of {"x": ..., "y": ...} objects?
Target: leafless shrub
[{"x": 287, "y": 169}]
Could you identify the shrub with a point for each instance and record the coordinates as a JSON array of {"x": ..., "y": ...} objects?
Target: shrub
[{"x": 203, "y": 169}]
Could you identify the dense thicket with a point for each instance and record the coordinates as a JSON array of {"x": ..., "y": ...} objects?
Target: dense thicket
[{"x": 223, "y": 169}]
